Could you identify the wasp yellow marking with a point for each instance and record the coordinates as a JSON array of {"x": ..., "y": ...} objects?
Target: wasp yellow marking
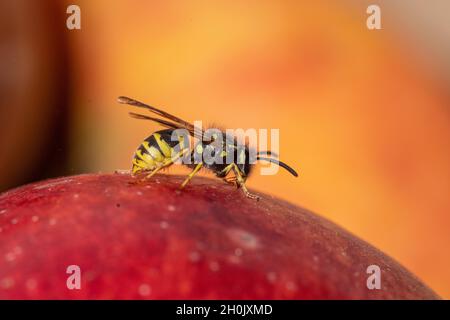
[
  {"x": 146, "y": 145},
  {"x": 145, "y": 157},
  {"x": 135, "y": 169},
  {"x": 153, "y": 152},
  {"x": 156, "y": 154},
  {"x": 139, "y": 163},
  {"x": 165, "y": 148}
]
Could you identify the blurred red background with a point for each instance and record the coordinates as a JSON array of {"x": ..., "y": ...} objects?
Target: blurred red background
[{"x": 363, "y": 115}]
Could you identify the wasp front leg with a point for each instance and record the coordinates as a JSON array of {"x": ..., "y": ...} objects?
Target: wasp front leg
[
  {"x": 241, "y": 183},
  {"x": 165, "y": 164}
]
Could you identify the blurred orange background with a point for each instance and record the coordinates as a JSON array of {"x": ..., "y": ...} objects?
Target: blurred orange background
[{"x": 363, "y": 115}]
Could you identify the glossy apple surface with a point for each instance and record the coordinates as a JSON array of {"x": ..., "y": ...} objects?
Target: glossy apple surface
[{"x": 151, "y": 241}]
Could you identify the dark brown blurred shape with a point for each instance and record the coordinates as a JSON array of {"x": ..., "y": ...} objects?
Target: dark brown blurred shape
[{"x": 33, "y": 91}]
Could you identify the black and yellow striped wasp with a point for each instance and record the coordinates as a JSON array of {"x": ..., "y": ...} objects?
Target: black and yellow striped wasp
[{"x": 160, "y": 150}]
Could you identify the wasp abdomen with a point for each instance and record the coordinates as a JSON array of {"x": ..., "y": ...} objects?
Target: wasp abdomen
[{"x": 154, "y": 152}]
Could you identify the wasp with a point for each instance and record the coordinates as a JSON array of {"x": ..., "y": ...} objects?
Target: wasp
[{"x": 160, "y": 150}]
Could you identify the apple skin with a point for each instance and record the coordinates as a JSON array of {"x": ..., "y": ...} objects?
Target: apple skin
[{"x": 151, "y": 241}]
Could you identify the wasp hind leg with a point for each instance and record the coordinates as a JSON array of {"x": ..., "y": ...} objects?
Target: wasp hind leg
[
  {"x": 145, "y": 178},
  {"x": 191, "y": 175},
  {"x": 165, "y": 164}
]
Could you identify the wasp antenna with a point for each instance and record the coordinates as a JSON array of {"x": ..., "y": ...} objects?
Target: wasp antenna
[{"x": 281, "y": 164}]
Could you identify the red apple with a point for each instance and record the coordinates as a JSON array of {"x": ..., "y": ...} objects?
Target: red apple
[{"x": 151, "y": 241}]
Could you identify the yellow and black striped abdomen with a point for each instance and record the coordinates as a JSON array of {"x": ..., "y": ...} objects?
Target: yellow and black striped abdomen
[{"x": 154, "y": 151}]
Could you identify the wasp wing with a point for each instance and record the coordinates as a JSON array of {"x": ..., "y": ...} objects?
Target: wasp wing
[
  {"x": 181, "y": 122},
  {"x": 166, "y": 124}
]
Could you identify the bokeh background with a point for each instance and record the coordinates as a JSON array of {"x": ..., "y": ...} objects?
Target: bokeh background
[{"x": 364, "y": 115}]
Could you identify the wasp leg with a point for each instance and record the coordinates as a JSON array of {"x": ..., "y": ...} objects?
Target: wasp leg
[
  {"x": 226, "y": 170},
  {"x": 231, "y": 180},
  {"x": 241, "y": 183},
  {"x": 191, "y": 175},
  {"x": 164, "y": 165},
  {"x": 155, "y": 171}
]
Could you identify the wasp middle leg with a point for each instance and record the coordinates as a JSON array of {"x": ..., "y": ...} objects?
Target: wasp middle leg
[
  {"x": 191, "y": 175},
  {"x": 168, "y": 162}
]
